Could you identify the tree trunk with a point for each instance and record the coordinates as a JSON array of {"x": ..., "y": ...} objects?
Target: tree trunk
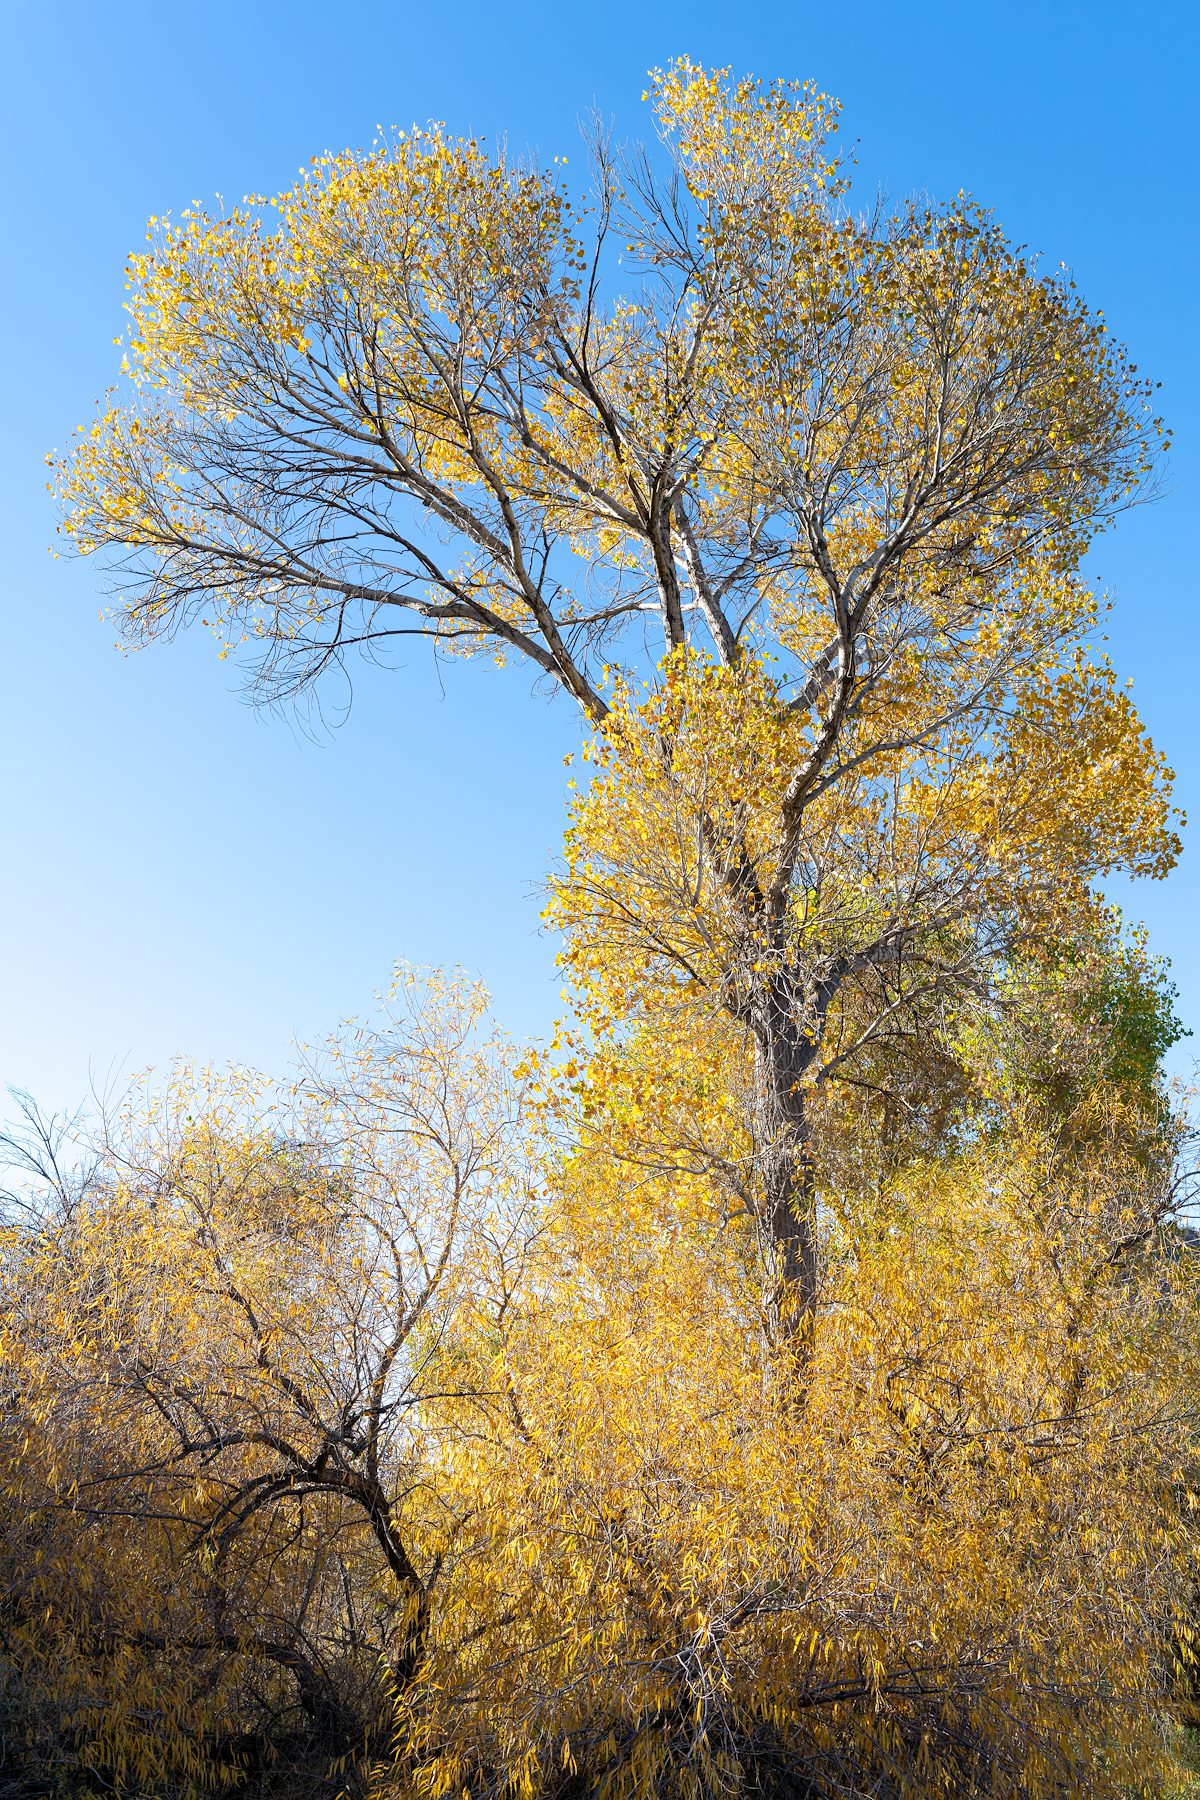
[{"x": 787, "y": 1191}]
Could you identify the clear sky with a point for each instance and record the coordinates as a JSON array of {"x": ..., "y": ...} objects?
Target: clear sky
[{"x": 185, "y": 875}]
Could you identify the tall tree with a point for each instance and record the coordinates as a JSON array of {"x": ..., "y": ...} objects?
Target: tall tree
[{"x": 823, "y": 478}]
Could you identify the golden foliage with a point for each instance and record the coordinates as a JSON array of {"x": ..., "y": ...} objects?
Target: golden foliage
[
  {"x": 951, "y": 1571},
  {"x": 405, "y": 397},
  {"x": 321, "y": 1435},
  {"x": 785, "y": 1384}
]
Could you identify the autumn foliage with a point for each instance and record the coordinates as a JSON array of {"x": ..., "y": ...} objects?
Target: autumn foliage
[{"x": 782, "y": 1383}]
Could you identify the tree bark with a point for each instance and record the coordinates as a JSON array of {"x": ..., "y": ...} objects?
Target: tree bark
[{"x": 787, "y": 1192}]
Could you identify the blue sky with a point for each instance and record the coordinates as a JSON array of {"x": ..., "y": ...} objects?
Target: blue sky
[{"x": 185, "y": 875}]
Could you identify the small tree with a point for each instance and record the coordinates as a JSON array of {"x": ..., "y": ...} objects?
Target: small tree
[{"x": 222, "y": 1522}]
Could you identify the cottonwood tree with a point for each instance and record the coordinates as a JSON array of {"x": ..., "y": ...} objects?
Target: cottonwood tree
[{"x": 817, "y": 475}]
